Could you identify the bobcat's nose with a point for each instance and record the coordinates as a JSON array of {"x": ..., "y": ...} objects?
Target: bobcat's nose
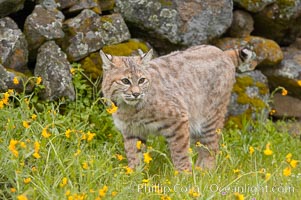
[{"x": 136, "y": 94}]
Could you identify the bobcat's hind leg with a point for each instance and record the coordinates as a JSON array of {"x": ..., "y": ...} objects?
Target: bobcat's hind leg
[
  {"x": 133, "y": 153},
  {"x": 207, "y": 143}
]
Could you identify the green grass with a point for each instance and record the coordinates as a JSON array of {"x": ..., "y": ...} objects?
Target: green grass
[{"x": 79, "y": 167}]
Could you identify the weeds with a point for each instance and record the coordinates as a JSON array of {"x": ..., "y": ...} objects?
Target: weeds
[{"x": 71, "y": 150}]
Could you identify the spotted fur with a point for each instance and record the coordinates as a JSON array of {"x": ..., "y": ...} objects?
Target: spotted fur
[{"x": 182, "y": 96}]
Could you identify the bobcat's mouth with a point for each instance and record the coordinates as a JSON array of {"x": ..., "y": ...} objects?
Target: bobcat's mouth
[{"x": 131, "y": 100}]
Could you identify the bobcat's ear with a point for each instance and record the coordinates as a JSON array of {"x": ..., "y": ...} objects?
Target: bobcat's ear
[
  {"x": 147, "y": 57},
  {"x": 106, "y": 60}
]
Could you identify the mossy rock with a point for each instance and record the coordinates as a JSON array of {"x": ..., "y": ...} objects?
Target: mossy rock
[
  {"x": 92, "y": 64},
  {"x": 107, "y": 5},
  {"x": 249, "y": 97}
]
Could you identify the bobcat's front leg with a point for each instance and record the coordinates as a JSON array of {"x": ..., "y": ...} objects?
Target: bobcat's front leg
[
  {"x": 133, "y": 153},
  {"x": 178, "y": 139}
]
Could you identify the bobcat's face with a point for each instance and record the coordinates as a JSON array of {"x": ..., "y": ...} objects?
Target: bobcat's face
[{"x": 125, "y": 79}]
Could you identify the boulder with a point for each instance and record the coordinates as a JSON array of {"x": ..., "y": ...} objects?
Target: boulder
[
  {"x": 92, "y": 64},
  {"x": 268, "y": 52},
  {"x": 41, "y": 25},
  {"x": 7, "y": 78},
  {"x": 184, "y": 22},
  {"x": 242, "y": 24},
  {"x": 288, "y": 73},
  {"x": 253, "y": 6},
  {"x": 10, "y": 6},
  {"x": 71, "y": 6},
  {"x": 88, "y": 32},
  {"x": 52, "y": 65},
  {"x": 280, "y": 21},
  {"x": 13, "y": 46},
  {"x": 250, "y": 96},
  {"x": 107, "y": 5},
  {"x": 286, "y": 106}
]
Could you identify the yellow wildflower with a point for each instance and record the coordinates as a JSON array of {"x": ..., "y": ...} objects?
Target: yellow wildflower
[
  {"x": 193, "y": 193},
  {"x": 27, "y": 180},
  {"x": 128, "y": 170},
  {"x": 112, "y": 109},
  {"x": 36, "y": 146},
  {"x": 236, "y": 171},
  {"x": 284, "y": 92},
  {"x": 119, "y": 157},
  {"x": 90, "y": 136},
  {"x": 23, "y": 145},
  {"x": 68, "y": 192},
  {"x": 84, "y": 136},
  {"x": 13, "y": 190},
  {"x": 288, "y": 157},
  {"x": 39, "y": 80},
  {"x": 102, "y": 192},
  {"x": 114, "y": 193},
  {"x": 176, "y": 172},
  {"x": 67, "y": 133},
  {"x": 267, "y": 150},
  {"x": 218, "y": 131},
  {"x": 239, "y": 196},
  {"x": 198, "y": 144},
  {"x": 25, "y": 124},
  {"x": 10, "y": 91},
  {"x": 294, "y": 163},
  {"x": 1, "y": 104},
  {"x": 77, "y": 152},
  {"x": 36, "y": 155},
  {"x": 299, "y": 82},
  {"x": 147, "y": 158},
  {"x": 21, "y": 197},
  {"x": 287, "y": 171},
  {"x": 5, "y": 98},
  {"x": 45, "y": 133},
  {"x": 64, "y": 182},
  {"x": 12, "y": 147},
  {"x": 16, "y": 81},
  {"x": 138, "y": 144},
  {"x": 145, "y": 181},
  {"x": 267, "y": 176},
  {"x": 251, "y": 150},
  {"x": 33, "y": 116},
  {"x": 165, "y": 197},
  {"x": 33, "y": 169},
  {"x": 85, "y": 165},
  {"x": 228, "y": 156},
  {"x": 72, "y": 71},
  {"x": 272, "y": 112}
]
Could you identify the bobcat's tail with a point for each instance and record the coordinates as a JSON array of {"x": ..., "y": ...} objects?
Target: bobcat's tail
[{"x": 243, "y": 59}]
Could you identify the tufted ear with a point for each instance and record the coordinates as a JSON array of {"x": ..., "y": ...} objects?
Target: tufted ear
[
  {"x": 106, "y": 60},
  {"x": 147, "y": 57}
]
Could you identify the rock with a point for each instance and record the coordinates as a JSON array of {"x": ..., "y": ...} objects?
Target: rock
[
  {"x": 268, "y": 52},
  {"x": 42, "y": 25},
  {"x": 184, "y": 22},
  {"x": 10, "y": 6},
  {"x": 48, "y": 4},
  {"x": 107, "y": 5},
  {"x": 71, "y": 6},
  {"x": 249, "y": 97},
  {"x": 280, "y": 21},
  {"x": 7, "y": 81},
  {"x": 13, "y": 46},
  {"x": 52, "y": 65},
  {"x": 288, "y": 73},
  {"x": 88, "y": 32},
  {"x": 253, "y": 6},
  {"x": 242, "y": 24},
  {"x": 92, "y": 64},
  {"x": 286, "y": 106}
]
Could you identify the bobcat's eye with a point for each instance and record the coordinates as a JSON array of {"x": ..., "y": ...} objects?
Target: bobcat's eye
[
  {"x": 126, "y": 81},
  {"x": 141, "y": 80}
]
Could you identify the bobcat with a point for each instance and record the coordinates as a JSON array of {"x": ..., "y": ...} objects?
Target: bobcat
[{"x": 183, "y": 96}]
